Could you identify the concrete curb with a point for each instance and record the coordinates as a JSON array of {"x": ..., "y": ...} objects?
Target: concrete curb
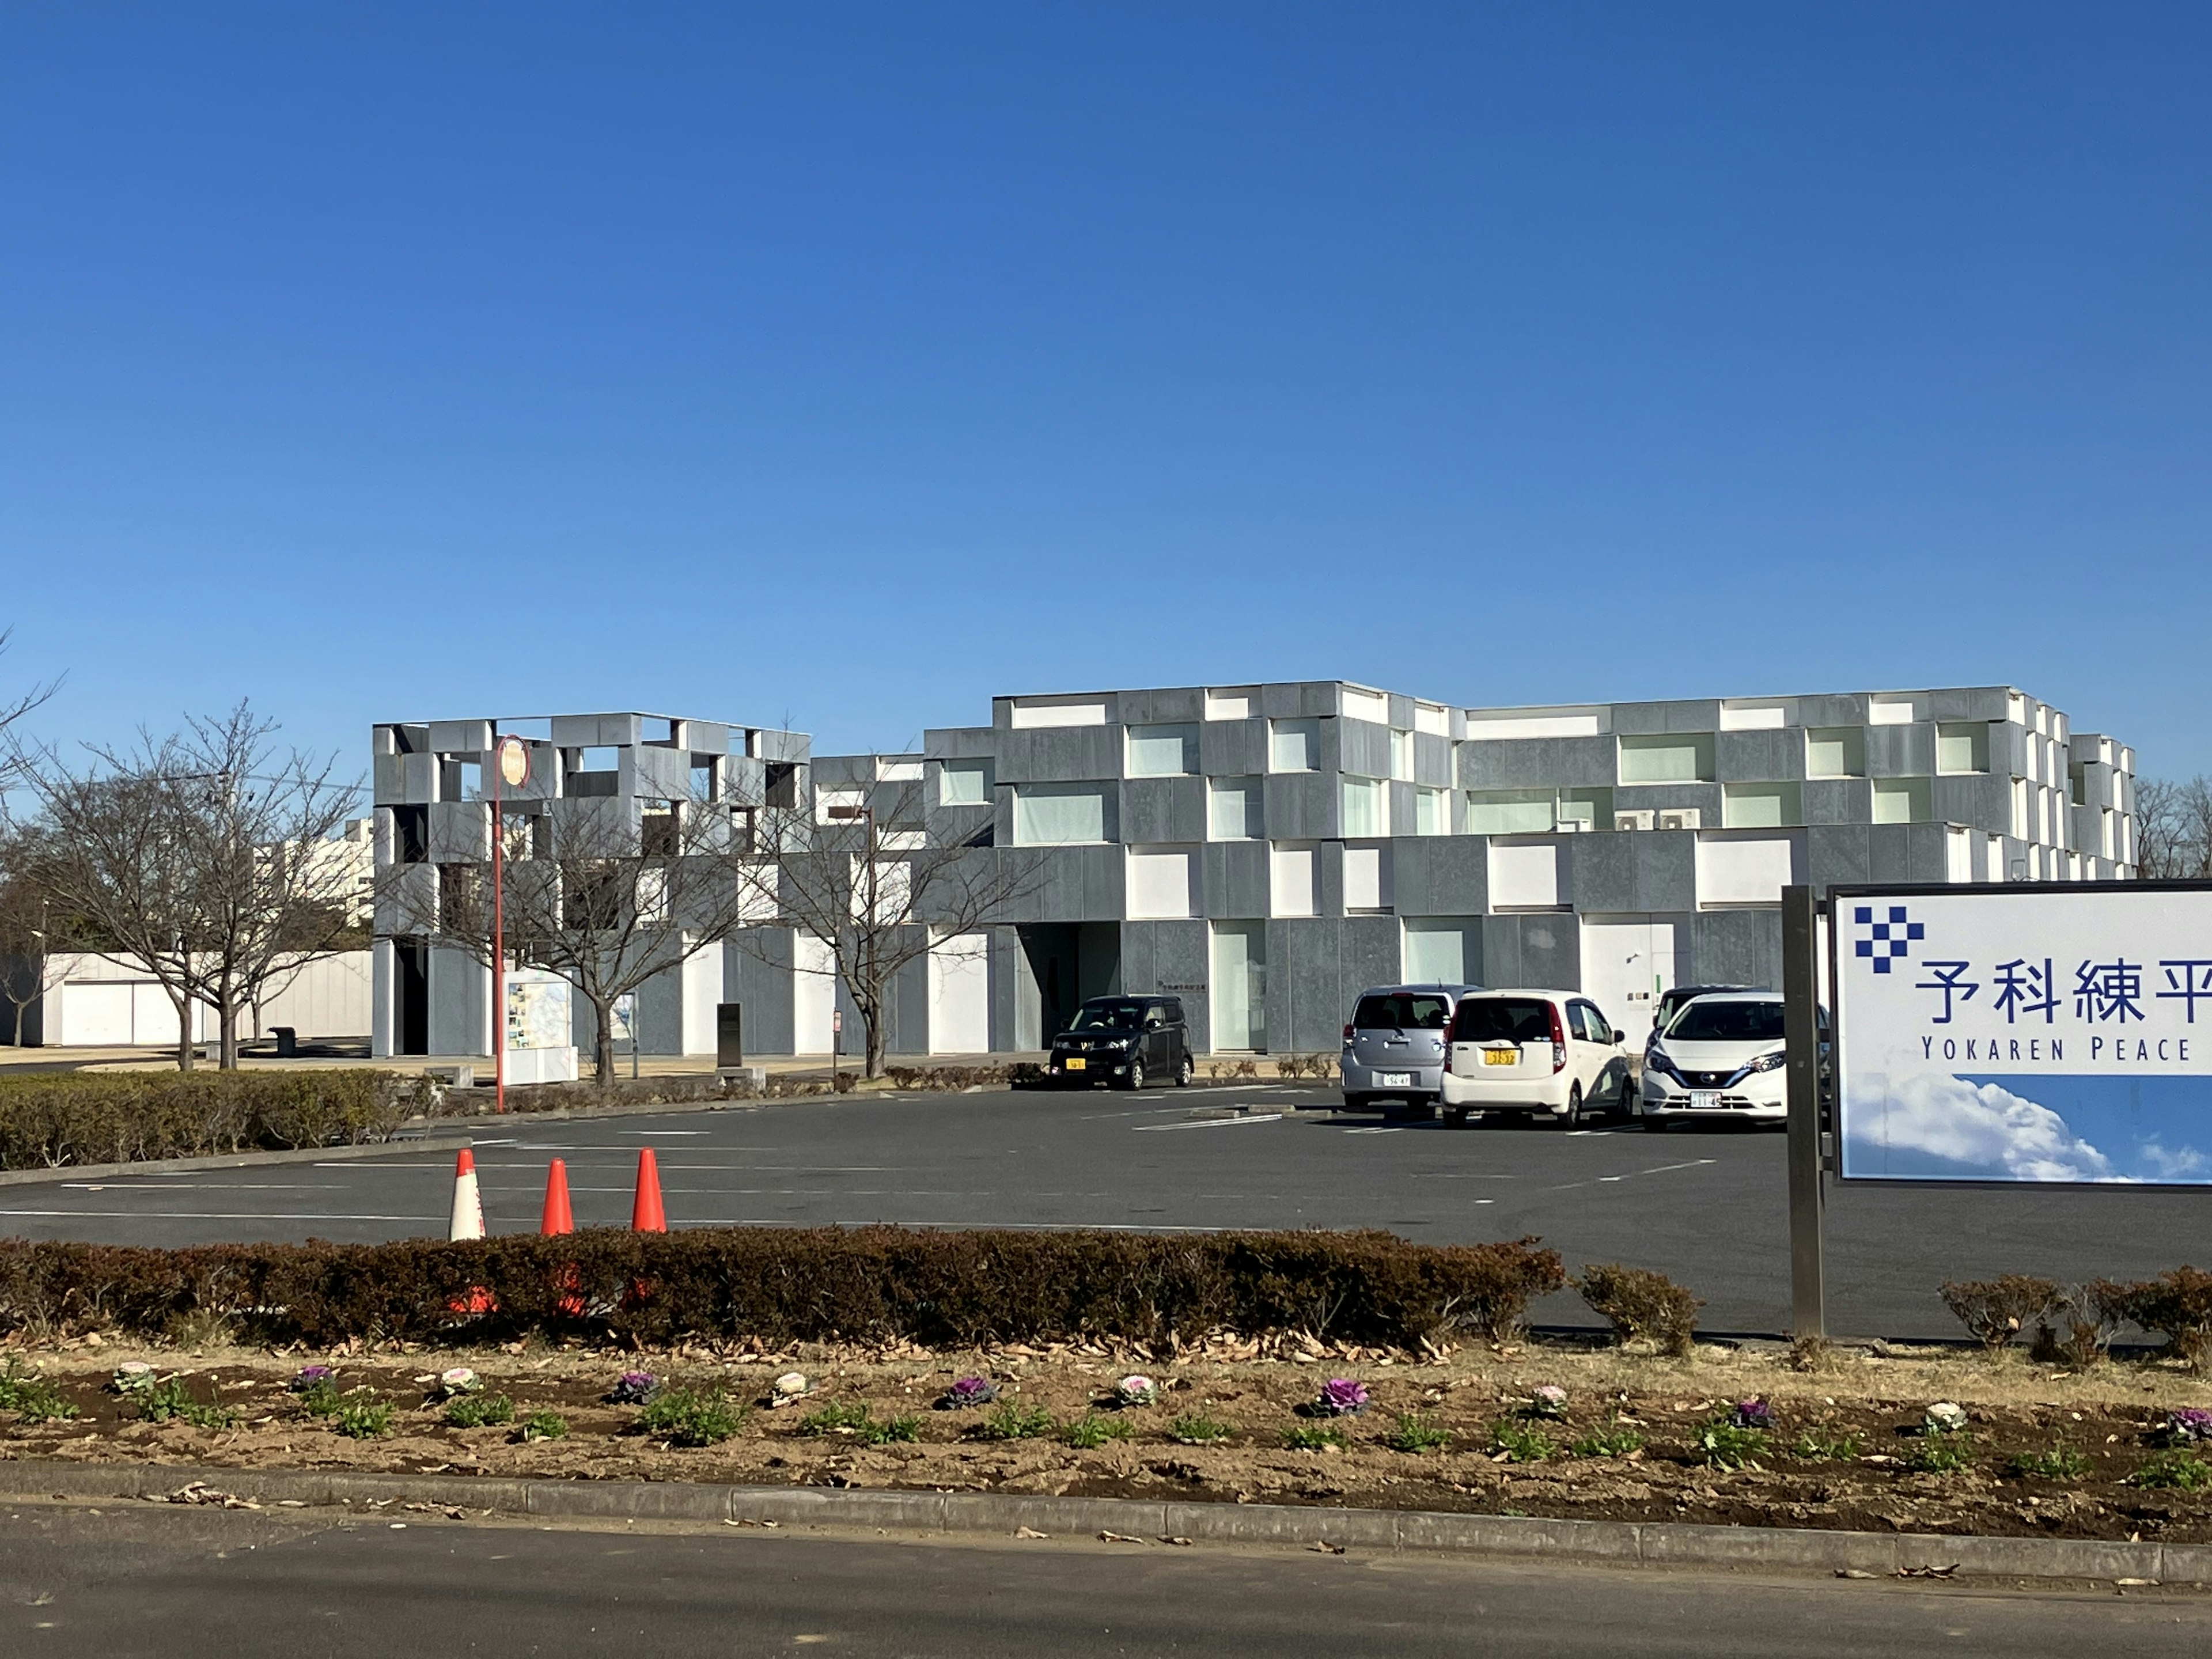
[{"x": 1602, "y": 1542}]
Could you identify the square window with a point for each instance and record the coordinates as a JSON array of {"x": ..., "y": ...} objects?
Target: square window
[
  {"x": 964, "y": 783},
  {"x": 1235, "y": 810},
  {"x": 1760, "y": 805},
  {"x": 1163, "y": 751},
  {"x": 1431, "y": 812},
  {"x": 1366, "y": 808},
  {"x": 1835, "y": 752},
  {"x": 1903, "y": 800},
  {"x": 1963, "y": 747},
  {"x": 1295, "y": 746}
]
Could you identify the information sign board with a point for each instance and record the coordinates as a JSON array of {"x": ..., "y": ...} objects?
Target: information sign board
[{"x": 2024, "y": 1035}]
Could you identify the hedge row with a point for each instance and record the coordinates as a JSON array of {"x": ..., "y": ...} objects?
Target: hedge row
[
  {"x": 51, "y": 1119},
  {"x": 940, "y": 1289}
]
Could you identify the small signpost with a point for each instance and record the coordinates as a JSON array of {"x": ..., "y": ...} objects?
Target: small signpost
[{"x": 2022, "y": 1035}]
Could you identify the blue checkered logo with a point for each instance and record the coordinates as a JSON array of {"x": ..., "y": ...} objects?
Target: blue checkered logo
[{"x": 1889, "y": 940}]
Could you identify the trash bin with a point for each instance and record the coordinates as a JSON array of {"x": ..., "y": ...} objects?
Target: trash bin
[{"x": 287, "y": 1041}]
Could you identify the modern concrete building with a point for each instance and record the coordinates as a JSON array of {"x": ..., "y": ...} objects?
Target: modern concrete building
[{"x": 1266, "y": 851}]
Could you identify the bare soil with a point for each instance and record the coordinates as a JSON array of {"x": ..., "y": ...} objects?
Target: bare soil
[{"x": 2110, "y": 1416}]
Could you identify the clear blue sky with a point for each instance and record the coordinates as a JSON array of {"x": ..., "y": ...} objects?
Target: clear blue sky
[{"x": 853, "y": 363}]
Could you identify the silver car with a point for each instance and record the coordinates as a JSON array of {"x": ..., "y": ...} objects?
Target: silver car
[{"x": 1394, "y": 1047}]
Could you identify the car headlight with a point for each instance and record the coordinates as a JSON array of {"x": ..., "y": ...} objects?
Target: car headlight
[
  {"x": 1656, "y": 1060},
  {"x": 1773, "y": 1062}
]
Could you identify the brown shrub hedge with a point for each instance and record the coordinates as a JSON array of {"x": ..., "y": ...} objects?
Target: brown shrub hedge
[
  {"x": 49, "y": 1120},
  {"x": 941, "y": 1289}
]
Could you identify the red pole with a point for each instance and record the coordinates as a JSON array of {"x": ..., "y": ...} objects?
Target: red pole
[{"x": 498, "y": 939}]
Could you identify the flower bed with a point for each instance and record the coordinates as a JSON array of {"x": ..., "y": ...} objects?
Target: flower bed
[{"x": 1913, "y": 1444}]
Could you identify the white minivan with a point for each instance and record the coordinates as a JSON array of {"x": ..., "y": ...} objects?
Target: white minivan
[{"x": 1548, "y": 1053}]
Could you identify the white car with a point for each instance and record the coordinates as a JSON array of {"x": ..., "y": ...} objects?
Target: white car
[
  {"x": 1547, "y": 1054},
  {"x": 1721, "y": 1056}
]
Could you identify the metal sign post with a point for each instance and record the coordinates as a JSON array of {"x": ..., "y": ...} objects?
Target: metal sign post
[{"x": 1800, "y": 1035}]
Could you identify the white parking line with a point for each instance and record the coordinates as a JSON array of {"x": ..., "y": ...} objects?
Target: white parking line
[
  {"x": 1388, "y": 1129},
  {"x": 215, "y": 1215},
  {"x": 1209, "y": 1123}
]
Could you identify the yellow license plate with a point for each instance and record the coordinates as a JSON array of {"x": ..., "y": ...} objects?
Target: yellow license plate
[
  {"x": 1076, "y": 1063},
  {"x": 1501, "y": 1057}
]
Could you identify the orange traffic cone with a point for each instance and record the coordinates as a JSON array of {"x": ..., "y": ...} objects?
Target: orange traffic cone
[
  {"x": 558, "y": 1217},
  {"x": 468, "y": 1203},
  {"x": 646, "y": 1215}
]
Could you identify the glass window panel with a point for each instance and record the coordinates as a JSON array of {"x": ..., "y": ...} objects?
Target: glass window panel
[
  {"x": 1835, "y": 752},
  {"x": 1760, "y": 805},
  {"x": 1055, "y": 815},
  {"x": 964, "y": 783},
  {"x": 1237, "y": 810},
  {"x": 1592, "y": 808},
  {"x": 1365, "y": 808},
  {"x": 1667, "y": 757},
  {"x": 1903, "y": 800},
  {"x": 1963, "y": 748},
  {"x": 1296, "y": 746},
  {"x": 1163, "y": 751},
  {"x": 1431, "y": 817},
  {"x": 1510, "y": 811},
  {"x": 1401, "y": 756}
]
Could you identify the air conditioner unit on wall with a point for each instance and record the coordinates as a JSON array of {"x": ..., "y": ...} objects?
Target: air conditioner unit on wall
[
  {"x": 1568, "y": 826},
  {"x": 1679, "y": 818},
  {"x": 1640, "y": 819}
]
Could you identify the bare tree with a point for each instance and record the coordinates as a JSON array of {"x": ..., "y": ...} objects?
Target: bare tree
[
  {"x": 2173, "y": 829},
  {"x": 864, "y": 880},
  {"x": 604, "y": 894},
  {"x": 195, "y": 854},
  {"x": 23, "y": 929}
]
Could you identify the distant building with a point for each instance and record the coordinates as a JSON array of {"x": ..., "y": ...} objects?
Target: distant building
[{"x": 1266, "y": 851}]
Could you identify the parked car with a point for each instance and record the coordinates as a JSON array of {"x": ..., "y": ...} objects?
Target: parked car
[
  {"x": 1544, "y": 1054},
  {"x": 1670, "y": 1003},
  {"x": 1394, "y": 1047},
  {"x": 1721, "y": 1055},
  {"x": 1124, "y": 1040}
]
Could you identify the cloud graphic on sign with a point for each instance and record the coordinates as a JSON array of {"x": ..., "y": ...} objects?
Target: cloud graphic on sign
[
  {"x": 2166, "y": 1164},
  {"x": 1986, "y": 1130}
]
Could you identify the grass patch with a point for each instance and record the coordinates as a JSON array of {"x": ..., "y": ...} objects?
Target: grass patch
[
  {"x": 1415, "y": 1431},
  {"x": 691, "y": 1417},
  {"x": 1316, "y": 1436},
  {"x": 1094, "y": 1429},
  {"x": 1826, "y": 1446},
  {"x": 1015, "y": 1421},
  {"x": 31, "y": 1396},
  {"x": 2183, "y": 1471},
  {"x": 1197, "y": 1429},
  {"x": 838, "y": 1417},
  {"x": 2061, "y": 1462},
  {"x": 1721, "y": 1444},
  {"x": 161, "y": 1402},
  {"x": 1521, "y": 1441},
  {"x": 544, "y": 1425},
  {"x": 1615, "y": 1439},
  {"x": 476, "y": 1411},
  {"x": 361, "y": 1416}
]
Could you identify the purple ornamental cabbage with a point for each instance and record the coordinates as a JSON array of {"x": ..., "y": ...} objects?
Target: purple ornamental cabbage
[
  {"x": 634, "y": 1388},
  {"x": 1753, "y": 1413},
  {"x": 2191, "y": 1423},
  {"x": 309, "y": 1377},
  {"x": 971, "y": 1391},
  {"x": 1549, "y": 1401},
  {"x": 1341, "y": 1396}
]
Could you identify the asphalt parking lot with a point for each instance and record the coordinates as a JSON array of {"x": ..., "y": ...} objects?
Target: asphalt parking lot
[{"x": 1706, "y": 1206}]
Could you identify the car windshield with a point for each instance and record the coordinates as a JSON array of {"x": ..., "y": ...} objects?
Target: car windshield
[
  {"x": 1403, "y": 1011},
  {"x": 1716, "y": 1020},
  {"x": 1108, "y": 1017},
  {"x": 1502, "y": 1019}
]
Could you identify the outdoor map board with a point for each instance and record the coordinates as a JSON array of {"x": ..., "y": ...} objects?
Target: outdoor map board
[{"x": 2024, "y": 1034}]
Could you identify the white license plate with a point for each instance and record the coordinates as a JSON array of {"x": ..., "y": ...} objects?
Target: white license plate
[
  {"x": 1704, "y": 1100},
  {"x": 1393, "y": 1079}
]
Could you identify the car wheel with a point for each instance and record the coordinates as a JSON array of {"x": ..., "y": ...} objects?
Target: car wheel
[
  {"x": 1185, "y": 1072},
  {"x": 1573, "y": 1118},
  {"x": 1136, "y": 1075},
  {"x": 1358, "y": 1102}
]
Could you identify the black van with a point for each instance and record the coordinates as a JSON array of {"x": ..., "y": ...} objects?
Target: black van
[{"x": 1125, "y": 1041}]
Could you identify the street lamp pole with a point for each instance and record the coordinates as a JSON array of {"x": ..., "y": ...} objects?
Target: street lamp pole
[{"x": 498, "y": 930}]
